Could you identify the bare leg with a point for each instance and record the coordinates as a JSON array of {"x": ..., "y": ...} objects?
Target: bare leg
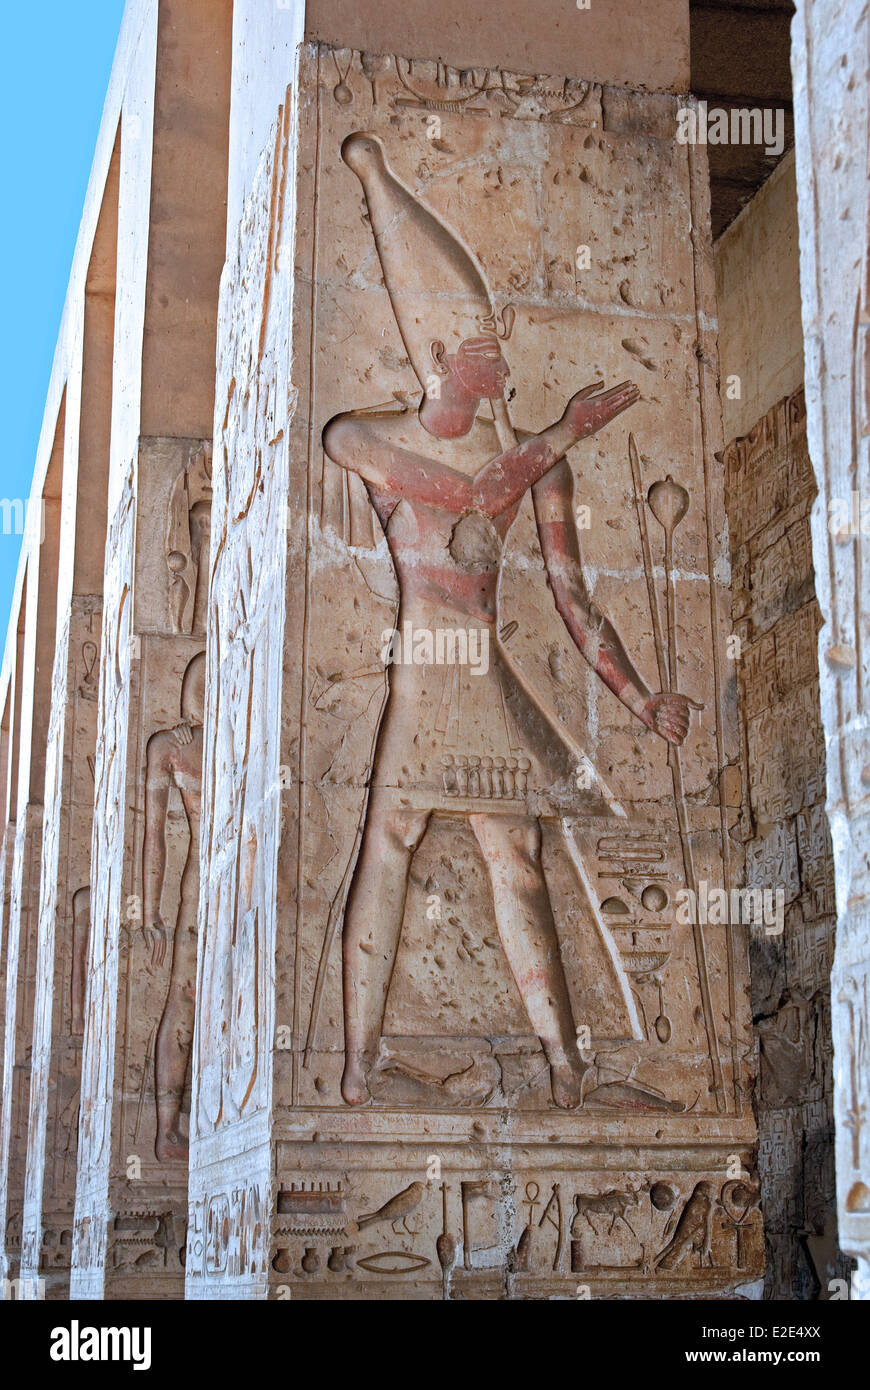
[
  {"x": 511, "y": 846},
  {"x": 372, "y": 923},
  {"x": 175, "y": 1036}
]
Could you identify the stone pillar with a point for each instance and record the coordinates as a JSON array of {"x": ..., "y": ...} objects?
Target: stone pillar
[
  {"x": 132, "y": 1174},
  {"x": 399, "y": 208},
  {"x": 771, "y": 488},
  {"x": 34, "y": 653},
  {"x": 829, "y": 61},
  {"x": 64, "y": 907},
  {"x": 6, "y": 750}
]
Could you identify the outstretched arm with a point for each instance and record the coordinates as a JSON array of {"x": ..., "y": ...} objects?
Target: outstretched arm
[
  {"x": 593, "y": 634},
  {"x": 352, "y": 442},
  {"x": 503, "y": 482}
]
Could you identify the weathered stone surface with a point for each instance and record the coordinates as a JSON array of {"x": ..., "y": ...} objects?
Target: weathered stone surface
[
  {"x": 375, "y": 798},
  {"x": 33, "y": 643},
  {"x": 61, "y": 971},
  {"x": 20, "y": 980},
  {"x": 131, "y": 1139},
  {"x": 400, "y": 840},
  {"x": 616, "y": 45},
  {"x": 770, "y": 489},
  {"x": 132, "y": 1162},
  {"x": 830, "y": 45},
  {"x": 759, "y": 305}
]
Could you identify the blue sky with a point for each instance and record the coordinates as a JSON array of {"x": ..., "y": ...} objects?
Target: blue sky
[{"x": 54, "y": 80}]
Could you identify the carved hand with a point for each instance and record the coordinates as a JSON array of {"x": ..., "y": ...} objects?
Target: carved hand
[
  {"x": 156, "y": 936},
  {"x": 668, "y": 715},
  {"x": 588, "y": 411},
  {"x": 183, "y": 734}
]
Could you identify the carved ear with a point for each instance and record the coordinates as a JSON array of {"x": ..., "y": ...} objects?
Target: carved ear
[{"x": 437, "y": 353}]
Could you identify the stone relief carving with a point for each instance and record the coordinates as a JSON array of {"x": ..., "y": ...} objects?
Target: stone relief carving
[
  {"x": 389, "y": 767},
  {"x": 43, "y": 909},
  {"x": 61, "y": 973},
  {"x": 241, "y": 782},
  {"x": 188, "y": 524},
  {"x": 666, "y": 1226},
  {"x": 147, "y": 1240},
  {"x": 20, "y": 942},
  {"x": 436, "y": 87},
  {"x": 90, "y": 1231},
  {"x": 446, "y": 487},
  {"x": 174, "y": 759}
]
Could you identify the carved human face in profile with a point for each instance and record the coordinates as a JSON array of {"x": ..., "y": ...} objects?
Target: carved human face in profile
[
  {"x": 478, "y": 366},
  {"x": 193, "y": 692}
]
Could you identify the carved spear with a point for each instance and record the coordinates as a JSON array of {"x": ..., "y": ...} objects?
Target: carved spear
[{"x": 503, "y": 426}]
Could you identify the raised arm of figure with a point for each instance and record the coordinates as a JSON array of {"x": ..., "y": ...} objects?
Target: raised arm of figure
[
  {"x": 503, "y": 481},
  {"x": 354, "y": 442}
]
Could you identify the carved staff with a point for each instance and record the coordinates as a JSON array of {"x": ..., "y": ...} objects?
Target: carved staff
[
  {"x": 647, "y": 563},
  {"x": 503, "y": 427},
  {"x": 668, "y": 502},
  {"x": 149, "y": 1056}
]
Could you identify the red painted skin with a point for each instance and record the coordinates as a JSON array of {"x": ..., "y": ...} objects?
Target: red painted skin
[
  {"x": 393, "y": 473},
  {"x": 438, "y": 495}
]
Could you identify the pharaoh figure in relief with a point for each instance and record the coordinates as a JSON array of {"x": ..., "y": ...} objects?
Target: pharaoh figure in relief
[
  {"x": 446, "y": 477},
  {"x": 174, "y": 759}
]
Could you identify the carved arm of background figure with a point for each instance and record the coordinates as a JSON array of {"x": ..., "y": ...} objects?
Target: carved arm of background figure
[{"x": 154, "y": 847}]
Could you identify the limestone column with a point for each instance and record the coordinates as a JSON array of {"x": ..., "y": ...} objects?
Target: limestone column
[
  {"x": 13, "y": 670},
  {"x": 64, "y": 907},
  {"x": 829, "y": 61},
  {"x": 6, "y": 750},
  {"x": 6, "y": 696},
  {"x": 432, "y": 1124},
  {"x": 34, "y": 653},
  {"x": 132, "y": 1170}
]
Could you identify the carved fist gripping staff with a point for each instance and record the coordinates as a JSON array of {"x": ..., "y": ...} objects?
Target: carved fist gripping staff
[{"x": 447, "y": 484}]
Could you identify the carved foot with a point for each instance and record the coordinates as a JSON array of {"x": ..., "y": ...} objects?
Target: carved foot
[
  {"x": 353, "y": 1082},
  {"x": 623, "y": 1095},
  {"x": 566, "y": 1083},
  {"x": 170, "y": 1146}
]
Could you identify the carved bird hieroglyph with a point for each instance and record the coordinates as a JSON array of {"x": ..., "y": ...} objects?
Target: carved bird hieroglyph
[
  {"x": 398, "y": 1208},
  {"x": 694, "y": 1229}
]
